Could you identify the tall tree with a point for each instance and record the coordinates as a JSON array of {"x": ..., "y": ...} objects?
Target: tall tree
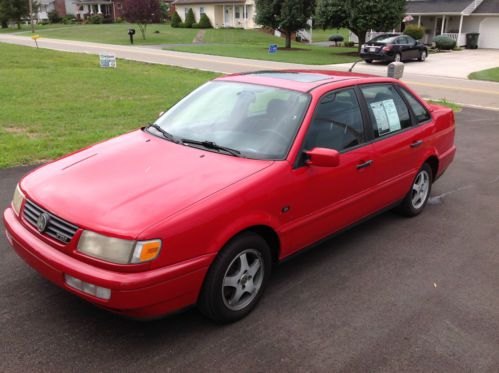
[
  {"x": 14, "y": 10},
  {"x": 364, "y": 15},
  {"x": 331, "y": 13},
  {"x": 286, "y": 16},
  {"x": 143, "y": 13}
]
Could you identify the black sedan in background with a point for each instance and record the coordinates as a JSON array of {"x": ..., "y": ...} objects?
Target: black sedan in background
[{"x": 391, "y": 47}]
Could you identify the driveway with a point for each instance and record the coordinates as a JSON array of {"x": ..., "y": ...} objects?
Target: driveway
[
  {"x": 455, "y": 64},
  {"x": 391, "y": 295}
]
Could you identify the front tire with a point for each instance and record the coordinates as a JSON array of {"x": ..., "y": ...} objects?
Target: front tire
[
  {"x": 369, "y": 61},
  {"x": 415, "y": 201},
  {"x": 422, "y": 56},
  {"x": 397, "y": 58},
  {"x": 237, "y": 279}
]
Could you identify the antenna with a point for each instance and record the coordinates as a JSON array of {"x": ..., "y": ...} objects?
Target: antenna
[{"x": 355, "y": 63}]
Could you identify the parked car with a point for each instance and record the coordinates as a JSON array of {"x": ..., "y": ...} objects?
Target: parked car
[
  {"x": 245, "y": 171},
  {"x": 391, "y": 47}
]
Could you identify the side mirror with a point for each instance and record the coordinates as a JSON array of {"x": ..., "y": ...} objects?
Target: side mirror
[{"x": 322, "y": 157}]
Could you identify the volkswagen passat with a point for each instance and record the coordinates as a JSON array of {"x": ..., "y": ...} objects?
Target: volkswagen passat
[{"x": 197, "y": 207}]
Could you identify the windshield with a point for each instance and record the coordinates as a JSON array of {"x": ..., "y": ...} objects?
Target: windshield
[
  {"x": 385, "y": 39},
  {"x": 257, "y": 121}
]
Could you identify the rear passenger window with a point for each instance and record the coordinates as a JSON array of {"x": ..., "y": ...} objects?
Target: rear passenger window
[
  {"x": 419, "y": 110},
  {"x": 387, "y": 109},
  {"x": 337, "y": 122}
]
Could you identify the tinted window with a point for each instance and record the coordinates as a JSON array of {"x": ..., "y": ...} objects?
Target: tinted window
[
  {"x": 419, "y": 110},
  {"x": 337, "y": 122},
  {"x": 387, "y": 109}
]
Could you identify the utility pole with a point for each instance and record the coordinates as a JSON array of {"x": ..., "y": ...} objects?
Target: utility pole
[{"x": 31, "y": 16}]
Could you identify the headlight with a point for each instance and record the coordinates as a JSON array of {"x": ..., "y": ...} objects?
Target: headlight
[
  {"x": 117, "y": 250},
  {"x": 17, "y": 200}
]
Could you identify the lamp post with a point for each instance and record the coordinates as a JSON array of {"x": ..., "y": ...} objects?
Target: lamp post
[{"x": 30, "y": 2}]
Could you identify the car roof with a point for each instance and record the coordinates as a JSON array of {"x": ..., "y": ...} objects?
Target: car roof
[{"x": 297, "y": 80}]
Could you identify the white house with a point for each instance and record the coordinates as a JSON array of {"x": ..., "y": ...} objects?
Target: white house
[
  {"x": 222, "y": 13},
  {"x": 456, "y": 18}
]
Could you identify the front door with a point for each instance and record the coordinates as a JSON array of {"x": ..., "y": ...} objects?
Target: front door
[
  {"x": 228, "y": 16},
  {"x": 326, "y": 199}
]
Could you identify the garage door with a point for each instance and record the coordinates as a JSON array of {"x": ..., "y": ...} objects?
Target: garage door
[{"x": 489, "y": 33}]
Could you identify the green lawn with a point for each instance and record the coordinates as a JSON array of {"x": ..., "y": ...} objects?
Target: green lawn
[
  {"x": 300, "y": 53},
  {"x": 323, "y": 35},
  {"x": 56, "y": 102},
  {"x": 443, "y": 102},
  {"x": 27, "y": 28},
  {"x": 489, "y": 74},
  {"x": 117, "y": 33}
]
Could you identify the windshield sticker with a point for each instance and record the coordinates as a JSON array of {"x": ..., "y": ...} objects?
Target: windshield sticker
[{"x": 386, "y": 116}]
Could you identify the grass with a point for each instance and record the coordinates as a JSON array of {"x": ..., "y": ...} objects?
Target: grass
[
  {"x": 323, "y": 35},
  {"x": 300, "y": 53},
  {"x": 491, "y": 75},
  {"x": 27, "y": 28},
  {"x": 443, "y": 102},
  {"x": 56, "y": 102},
  {"x": 117, "y": 33}
]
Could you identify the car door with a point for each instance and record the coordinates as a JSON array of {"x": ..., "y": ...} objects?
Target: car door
[
  {"x": 413, "y": 48},
  {"x": 404, "y": 48},
  {"x": 326, "y": 199},
  {"x": 397, "y": 143}
]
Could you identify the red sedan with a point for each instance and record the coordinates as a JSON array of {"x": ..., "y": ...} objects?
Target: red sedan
[{"x": 248, "y": 169}]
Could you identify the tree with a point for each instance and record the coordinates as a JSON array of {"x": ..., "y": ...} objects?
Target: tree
[
  {"x": 189, "y": 19},
  {"x": 15, "y": 10},
  {"x": 330, "y": 13},
  {"x": 364, "y": 15},
  {"x": 143, "y": 13},
  {"x": 176, "y": 20},
  {"x": 286, "y": 16}
]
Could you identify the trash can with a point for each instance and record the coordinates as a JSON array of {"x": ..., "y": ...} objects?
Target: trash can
[{"x": 472, "y": 40}]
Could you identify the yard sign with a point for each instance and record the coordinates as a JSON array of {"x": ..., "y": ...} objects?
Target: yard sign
[
  {"x": 107, "y": 60},
  {"x": 272, "y": 48}
]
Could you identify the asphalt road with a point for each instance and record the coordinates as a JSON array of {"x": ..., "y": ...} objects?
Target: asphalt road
[
  {"x": 393, "y": 294},
  {"x": 434, "y": 79}
]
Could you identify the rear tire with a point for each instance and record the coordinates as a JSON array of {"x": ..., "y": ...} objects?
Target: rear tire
[
  {"x": 369, "y": 61},
  {"x": 397, "y": 58},
  {"x": 236, "y": 279},
  {"x": 422, "y": 56},
  {"x": 417, "y": 197}
]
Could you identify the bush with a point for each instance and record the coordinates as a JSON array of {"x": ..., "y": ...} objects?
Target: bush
[
  {"x": 349, "y": 44},
  {"x": 54, "y": 17},
  {"x": 96, "y": 19},
  {"x": 415, "y": 31},
  {"x": 189, "y": 19},
  {"x": 444, "y": 42},
  {"x": 176, "y": 20},
  {"x": 68, "y": 18},
  {"x": 204, "y": 21},
  {"x": 195, "y": 25},
  {"x": 336, "y": 38}
]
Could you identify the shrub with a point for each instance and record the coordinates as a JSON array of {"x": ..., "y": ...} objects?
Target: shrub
[
  {"x": 415, "y": 31},
  {"x": 195, "y": 25},
  {"x": 336, "y": 38},
  {"x": 96, "y": 19},
  {"x": 68, "y": 18},
  {"x": 349, "y": 44},
  {"x": 176, "y": 20},
  {"x": 444, "y": 42},
  {"x": 189, "y": 19},
  {"x": 204, "y": 21},
  {"x": 54, "y": 17}
]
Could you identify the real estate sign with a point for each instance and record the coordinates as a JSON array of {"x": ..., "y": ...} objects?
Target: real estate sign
[{"x": 107, "y": 60}]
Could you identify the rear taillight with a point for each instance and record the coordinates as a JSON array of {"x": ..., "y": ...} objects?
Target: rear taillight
[{"x": 387, "y": 48}]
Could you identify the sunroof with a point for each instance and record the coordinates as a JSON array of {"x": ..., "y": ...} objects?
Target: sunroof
[{"x": 297, "y": 77}]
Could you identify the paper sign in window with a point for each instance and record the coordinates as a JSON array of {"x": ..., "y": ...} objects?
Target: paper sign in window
[{"x": 386, "y": 116}]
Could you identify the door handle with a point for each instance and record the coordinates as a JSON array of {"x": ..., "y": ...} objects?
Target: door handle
[
  {"x": 415, "y": 144},
  {"x": 364, "y": 165}
]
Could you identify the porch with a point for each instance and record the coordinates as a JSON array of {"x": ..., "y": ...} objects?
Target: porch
[
  {"x": 87, "y": 8},
  {"x": 234, "y": 15},
  {"x": 452, "y": 25}
]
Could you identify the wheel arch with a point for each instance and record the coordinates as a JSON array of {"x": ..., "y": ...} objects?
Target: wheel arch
[{"x": 433, "y": 162}]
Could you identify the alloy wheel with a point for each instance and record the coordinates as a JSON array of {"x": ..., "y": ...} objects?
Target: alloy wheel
[{"x": 420, "y": 189}]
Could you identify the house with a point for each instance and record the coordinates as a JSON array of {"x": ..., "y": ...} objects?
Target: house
[
  {"x": 456, "y": 18},
  {"x": 111, "y": 9},
  {"x": 222, "y": 13}
]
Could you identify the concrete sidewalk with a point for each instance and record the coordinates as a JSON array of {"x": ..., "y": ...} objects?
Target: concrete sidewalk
[{"x": 463, "y": 91}]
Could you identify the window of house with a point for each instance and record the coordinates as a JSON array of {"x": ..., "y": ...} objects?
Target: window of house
[
  {"x": 337, "y": 122},
  {"x": 248, "y": 7},
  {"x": 419, "y": 110},
  {"x": 186, "y": 10},
  {"x": 118, "y": 5},
  {"x": 201, "y": 11},
  {"x": 387, "y": 109},
  {"x": 238, "y": 12}
]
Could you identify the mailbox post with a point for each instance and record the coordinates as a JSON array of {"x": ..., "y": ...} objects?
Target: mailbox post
[
  {"x": 396, "y": 70},
  {"x": 131, "y": 32}
]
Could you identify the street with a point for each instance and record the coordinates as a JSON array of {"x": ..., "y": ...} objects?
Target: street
[
  {"x": 440, "y": 77},
  {"x": 392, "y": 294}
]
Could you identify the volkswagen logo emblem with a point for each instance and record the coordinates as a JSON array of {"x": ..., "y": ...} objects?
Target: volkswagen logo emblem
[{"x": 42, "y": 221}]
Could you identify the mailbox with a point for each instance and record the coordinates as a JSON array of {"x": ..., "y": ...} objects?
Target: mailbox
[
  {"x": 396, "y": 70},
  {"x": 131, "y": 32}
]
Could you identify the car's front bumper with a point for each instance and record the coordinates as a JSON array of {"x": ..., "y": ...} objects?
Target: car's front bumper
[{"x": 140, "y": 294}]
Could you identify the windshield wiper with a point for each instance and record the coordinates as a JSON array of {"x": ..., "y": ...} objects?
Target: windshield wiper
[
  {"x": 212, "y": 145},
  {"x": 167, "y": 135}
]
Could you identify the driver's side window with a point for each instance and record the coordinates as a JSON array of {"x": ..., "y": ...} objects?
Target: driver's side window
[{"x": 337, "y": 122}]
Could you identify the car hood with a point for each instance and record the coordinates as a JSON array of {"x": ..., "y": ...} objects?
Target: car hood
[{"x": 124, "y": 185}]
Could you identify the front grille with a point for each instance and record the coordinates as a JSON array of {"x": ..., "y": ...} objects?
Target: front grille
[{"x": 56, "y": 227}]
